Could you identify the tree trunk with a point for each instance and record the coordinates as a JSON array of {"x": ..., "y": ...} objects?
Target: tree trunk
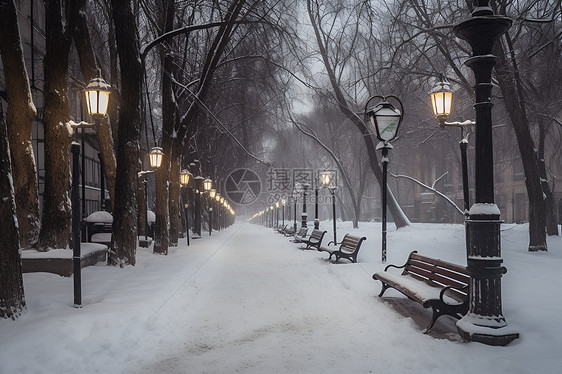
[
  {"x": 511, "y": 88},
  {"x": 162, "y": 233},
  {"x": 89, "y": 69},
  {"x": 12, "y": 298},
  {"x": 20, "y": 115},
  {"x": 551, "y": 222},
  {"x": 124, "y": 242},
  {"x": 175, "y": 189},
  {"x": 55, "y": 227}
]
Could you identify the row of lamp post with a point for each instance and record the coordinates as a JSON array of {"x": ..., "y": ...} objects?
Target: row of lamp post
[{"x": 484, "y": 321}]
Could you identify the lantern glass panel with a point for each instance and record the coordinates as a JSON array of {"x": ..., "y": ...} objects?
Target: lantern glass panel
[
  {"x": 441, "y": 103},
  {"x": 184, "y": 177},
  {"x": 385, "y": 120},
  {"x": 325, "y": 178},
  {"x": 155, "y": 157}
]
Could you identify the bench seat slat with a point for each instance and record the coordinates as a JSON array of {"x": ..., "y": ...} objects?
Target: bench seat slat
[{"x": 411, "y": 287}]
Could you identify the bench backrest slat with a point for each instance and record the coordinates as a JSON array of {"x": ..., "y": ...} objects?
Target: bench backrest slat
[
  {"x": 438, "y": 273},
  {"x": 317, "y": 234},
  {"x": 350, "y": 243}
]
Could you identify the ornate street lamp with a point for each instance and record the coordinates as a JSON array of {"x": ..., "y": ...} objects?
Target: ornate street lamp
[
  {"x": 484, "y": 321},
  {"x": 184, "y": 181},
  {"x": 97, "y": 100},
  {"x": 97, "y": 97},
  {"x": 277, "y": 215},
  {"x": 441, "y": 100},
  {"x": 155, "y": 157},
  {"x": 283, "y": 202},
  {"x": 295, "y": 198},
  {"x": 385, "y": 120},
  {"x": 304, "y": 215},
  {"x": 207, "y": 185},
  {"x": 326, "y": 181},
  {"x": 184, "y": 177}
]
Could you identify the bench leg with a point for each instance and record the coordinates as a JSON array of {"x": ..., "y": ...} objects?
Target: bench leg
[
  {"x": 436, "y": 314},
  {"x": 384, "y": 288}
]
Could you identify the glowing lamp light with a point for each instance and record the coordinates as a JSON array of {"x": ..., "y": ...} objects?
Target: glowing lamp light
[
  {"x": 97, "y": 97},
  {"x": 325, "y": 178},
  {"x": 155, "y": 156},
  {"x": 207, "y": 184},
  {"x": 441, "y": 100},
  {"x": 212, "y": 193},
  {"x": 184, "y": 177}
]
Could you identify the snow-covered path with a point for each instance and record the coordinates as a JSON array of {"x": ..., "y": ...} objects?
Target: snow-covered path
[{"x": 246, "y": 300}]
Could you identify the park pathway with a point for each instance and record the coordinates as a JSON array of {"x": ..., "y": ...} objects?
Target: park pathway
[{"x": 260, "y": 304}]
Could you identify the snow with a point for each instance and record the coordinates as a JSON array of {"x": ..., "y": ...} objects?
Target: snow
[
  {"x": 488, "y": 209},
  {"x": 247, "y": 300},
  {"x": 100, "y": 216}
]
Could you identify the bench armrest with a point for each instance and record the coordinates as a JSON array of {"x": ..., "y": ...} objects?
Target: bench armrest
[
  {"x": 403, "y": 266},
  {"x": 445, "y": 289}
]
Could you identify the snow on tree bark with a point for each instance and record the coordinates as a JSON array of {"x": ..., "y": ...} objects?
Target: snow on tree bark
[
  {"x": 124, "y": 242},
  {"x": 12, "y": 299},
  {"x": 20, "y": 115}
]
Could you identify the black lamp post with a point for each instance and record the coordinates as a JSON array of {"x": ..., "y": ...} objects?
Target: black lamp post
[
  {"x": 304, "y": 215},
  {"x": 316, "y": 220},
  {"x": 326, "y": 181},
  {"x": 385, "y": 120},
  {"x": 197, "y": 206},
  {"x": 184, "y": 181},
  {"x": 283, "y": 202},
  {"x": 441, "y": 101},
  {"x": 484, "y": 321},
  {"x": 277, "y": 216},
  {"x": 97, "y": 100},
  {"x": 295, "y": 210}
]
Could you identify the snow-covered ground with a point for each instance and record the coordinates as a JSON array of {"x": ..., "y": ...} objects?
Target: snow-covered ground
[{"x": 245, "y": 300}]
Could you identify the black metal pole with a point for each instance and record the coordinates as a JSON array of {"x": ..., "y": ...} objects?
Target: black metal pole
[
  {"x": 197, "y": 209},
  {"x": 316, "y": 220},
  {"x": 384, "y": 190},
  {"x": 210, "y": 220},
  {"x": 76, "y": 255},
  {"x": 334, "y": 213},
  {"x": 464, "y": 145},
  {"x": 304, "y": 215},
  {"x": 295, "y": 215},
  {"x": 102, "y": 182},
  {"x": 283, "y": 217},
  {"x": 147, "y": 226},
  {"x": 484, "y": 322}
]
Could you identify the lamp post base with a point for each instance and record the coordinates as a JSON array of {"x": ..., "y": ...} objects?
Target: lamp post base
[
  {"x": 304, "y": 218},
  {"x": 486, "y": 330},
  {"x": 316, "y": 224}
]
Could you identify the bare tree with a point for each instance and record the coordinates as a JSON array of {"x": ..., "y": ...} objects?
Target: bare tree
[
  {"x": 20, "y": 115},
  {"x": 124, "y": 241},
  {"x": 338, "y": 60}
]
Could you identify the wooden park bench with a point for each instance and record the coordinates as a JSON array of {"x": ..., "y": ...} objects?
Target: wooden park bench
[
  {"x": 314, "y": 240},
  {"x": 349, "y": 248},
  {"x": 298, "y": 237},
  {"x": 436, "y": 284},
  {"x": 290, "y": 231}
]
